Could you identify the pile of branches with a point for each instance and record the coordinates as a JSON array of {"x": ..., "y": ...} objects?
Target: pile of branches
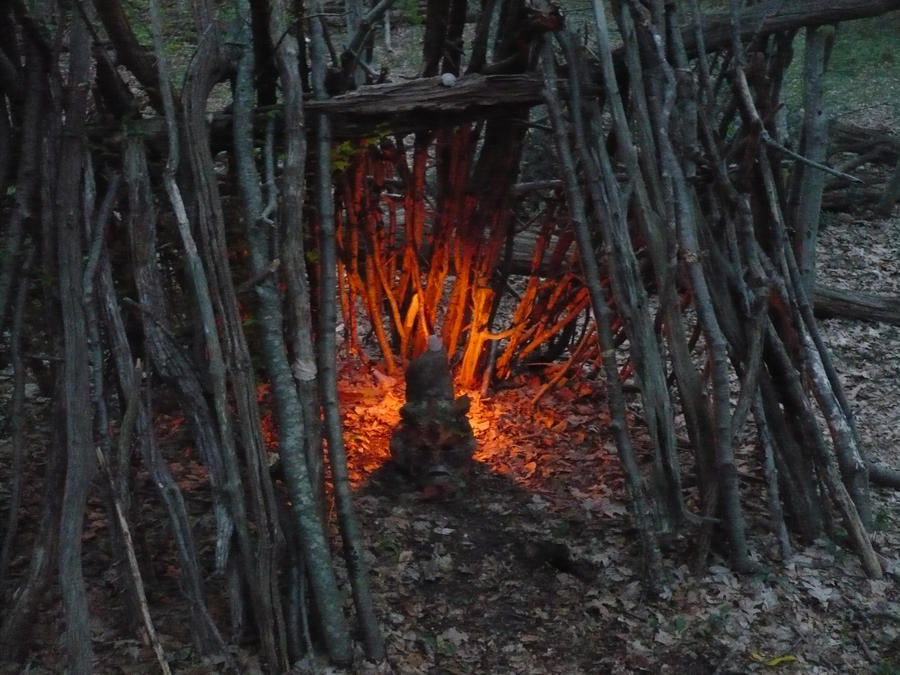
[
  {"x": 129, "y": 282},
  {"x": 695, "y": 229},
  {"x": 733, "y": 346}
]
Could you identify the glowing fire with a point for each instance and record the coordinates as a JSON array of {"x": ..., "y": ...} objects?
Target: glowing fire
[{"x": 528, "y": 443}]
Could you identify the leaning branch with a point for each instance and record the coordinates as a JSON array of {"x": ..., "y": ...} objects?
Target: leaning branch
[{"x": 771, "y": 142}]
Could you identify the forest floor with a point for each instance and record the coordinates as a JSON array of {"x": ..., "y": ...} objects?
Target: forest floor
[{"x": 461, "y": 591}]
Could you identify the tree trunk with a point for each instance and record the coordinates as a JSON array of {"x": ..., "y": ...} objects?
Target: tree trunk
[{"x": 807, "y": 182}]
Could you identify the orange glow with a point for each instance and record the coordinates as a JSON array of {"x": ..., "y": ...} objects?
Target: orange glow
[
  {"x": 563, "y": 439},
  {"x": 370, "y": 412},
  {"x": 527, "y": 443},
  {"x": 269, "y": 427}
]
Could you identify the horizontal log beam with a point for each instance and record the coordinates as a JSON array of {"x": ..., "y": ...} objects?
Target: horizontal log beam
[
  {"x": 775, "y": 16},
  {"x": 427, "y": 102}
]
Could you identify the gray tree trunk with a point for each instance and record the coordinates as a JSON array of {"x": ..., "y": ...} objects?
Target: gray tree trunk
[{"x": 808, "y": 182}]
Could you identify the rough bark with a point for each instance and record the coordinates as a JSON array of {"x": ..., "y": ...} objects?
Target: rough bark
[
  {"x": 426, "y": 98},
  {"x": 271, "y": 323},
  {"x": 132, "y": 53},
  {"x": 640, "y": 506},
  {"x": 808, "y": 183},
  {"x": 426, "y": 103},
  {"x": 80, "y": 461},
  {"x": 327, "y": 357},
  {"x": 774, "y": 16},
  {"x": 30, "y": 112},
  {"x": 292, "y": 195},
  {"x": 685, "y": 221},
  {"x": 681, "y": 201},
  {"x": 170, "y": 363},
  {"x": 213, "y": 433}
]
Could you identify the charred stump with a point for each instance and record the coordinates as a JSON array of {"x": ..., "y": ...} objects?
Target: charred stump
[{"x": 434, "y": 443}]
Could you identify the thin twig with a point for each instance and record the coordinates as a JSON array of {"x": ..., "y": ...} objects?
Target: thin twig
[{"x": 771, "y": 142}]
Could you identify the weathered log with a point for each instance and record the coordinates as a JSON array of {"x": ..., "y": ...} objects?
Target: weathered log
[
  {"x": 873, "y": 146},
  {"x": 885, "y": 476},
  {"x": 851, "y": 199},
  {"x": 880, "y": 143},
  {"x": 775, "y": 16},
  {"x": 427, "y": 103},
  {"x": 847, "y": 304}
]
